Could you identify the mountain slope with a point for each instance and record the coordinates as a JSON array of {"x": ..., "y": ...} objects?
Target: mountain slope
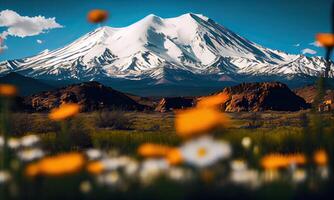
[
  {"x": 189, "y": 48},
  {"x": 25, "y": 85}
]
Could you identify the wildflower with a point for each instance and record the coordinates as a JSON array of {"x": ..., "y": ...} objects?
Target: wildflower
[
  {"x": 108, "y": 164},
  {"x": 97, "y": 16},
  {"x": 174, "y": 157},
  {"x": 4, "y": 176},
  {"x": 320, "y": 157},
  {"x": 30, "y": 154},
  {"x": 212, "y": 101},
  {"x": 2, "y": 141},
  {"x": 178, "y": 174},
  {"x": 275, "y": 161},
  {"x": 245, "y": 176},
  {"x": 198, "y": 120},
  {"x": 299, "y": 175},
  {"x": 93, "y": 154},
  {"x": 112, "y": 178},
  {"x": 13, "y": 143},
  {"x": 64, "y": 111},
  {"x": 131, "y": 168},
  {"x": 85, "y": 187},
  {"x": 29, "y": 140},
  {"x": 7, "y": 90},
  {"x": 95, "y": 167},
  {"x": 246, "y": 142},
  {"x": 151, "y": 169},
  {"x": 205, "y": 151},
  {"x": 32, "y": 170},
  {"x": 238, "y": 165},
  {"x": 58, "y": 165},
  {"x": 325, "y": 39},
  {"x": 153, "y": 150}
]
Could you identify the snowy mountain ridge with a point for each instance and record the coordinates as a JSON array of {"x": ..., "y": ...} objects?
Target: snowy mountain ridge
[{"x": 163, "y": 50}]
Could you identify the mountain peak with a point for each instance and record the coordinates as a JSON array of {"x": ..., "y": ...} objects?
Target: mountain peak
[{"x": 184, "y": 48}]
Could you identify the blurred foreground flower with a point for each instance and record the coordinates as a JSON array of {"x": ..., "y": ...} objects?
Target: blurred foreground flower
[
  {"x": 4, "y": 176},
  {"x": 153, "y": 150},
  {"x": 58, "y": 165},
  {"x": 174, "y": 157},
  {"x": 212, "y": 101},
  {"x": 7, "y": 90},
  {"x": 109, "y": 164},
  {"x": 320, "y": 157},
  {"x": 198, "y": 121},
  {"x": 64, "y": 111},
  {"x": 97, "y": 16},
  {"x": 30, "y": 154},
  {"x": 205, "y": 151},
  {"x": 325, "y": 39},
  {"x": 276, "y": 161}
]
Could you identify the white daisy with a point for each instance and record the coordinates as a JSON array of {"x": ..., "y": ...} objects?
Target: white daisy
[
  {"x": 4, "y": 176},
  {"x": 94, "y": 154},
  {"x": 151, "y": 169},
  {"x": 14, "y": 143},
  {"x": 30, "y": 154},
  {"x": 2, "y": 142},
  {"x": 205, "y": 151},
  {"x": 29, "y": 140}
]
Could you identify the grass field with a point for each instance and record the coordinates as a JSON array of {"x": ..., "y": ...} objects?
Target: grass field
[{"x": 119, "y": 134}]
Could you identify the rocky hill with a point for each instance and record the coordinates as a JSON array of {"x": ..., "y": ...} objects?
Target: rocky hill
[
  {"x": 90, "y": 95},
  {"x": 309, "y": 93},
  {"x": 264, "y": 96}
]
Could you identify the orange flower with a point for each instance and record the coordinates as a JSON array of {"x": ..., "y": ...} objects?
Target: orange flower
[
  {"x": 198, "y": 121},
  {"x": 275, "y": 161},
  {"x": 58, "y": 165},
  {"x": 153, "y": 150},
  {"x": 212, "y": 101},
  {"x": 61, "y": 164},
  {"x": 320, "y": 157},
  {"x": 95, "y": 167},
  {"x": 32, "y": 170},
  {"x": 325, "y": 39},
  {"x": 174, "y": 157},
  {"x": 64, "y": 111},
  {"x": 7, "y": 90},
  {"x": 97, "y": 16}
]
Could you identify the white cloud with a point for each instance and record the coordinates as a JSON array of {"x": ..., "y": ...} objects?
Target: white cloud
[
  {"x": 315, "y": 43},
  {"x": 308, "y": 51},
  {"x": 23, "y": 26},
  {"x": 2, "y": 48},
  {"x": 39, "y": 41},
  {"x": 296, "y": 45}
]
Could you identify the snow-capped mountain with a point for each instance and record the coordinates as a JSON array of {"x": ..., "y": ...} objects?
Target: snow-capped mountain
[{"x": 169, "y": 50}]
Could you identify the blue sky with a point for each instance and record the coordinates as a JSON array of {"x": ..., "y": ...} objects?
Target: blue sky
[{"x": 287, "y": 25}]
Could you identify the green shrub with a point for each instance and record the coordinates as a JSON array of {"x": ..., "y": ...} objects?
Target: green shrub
[{"x": 116, "y": 120}]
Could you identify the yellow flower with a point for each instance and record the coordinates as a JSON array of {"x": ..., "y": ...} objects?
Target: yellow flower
[
  {"x": 7, "y": 90},
  {"x": 58, "y": 165},
  {"x": 197, "y": 121},
  {"x": 153, "y": 150},
  {"x": 97, "y": 16},
  {"x": 320, "y": 157},
  {"x": 325, "y": 39},
  {"x": 275, "y": 161},
  {"x": 174, "y": 157},
  {"x": 212, "y": 101},
  {"x": 95, "y": 167},
  {"x": 64, "y": 111}
]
